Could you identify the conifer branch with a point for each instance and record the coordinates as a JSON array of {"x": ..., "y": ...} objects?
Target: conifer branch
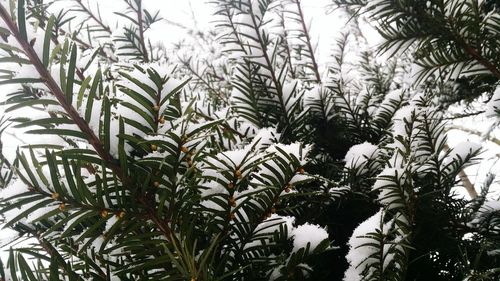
[
  {"x": 265, "y": 55},
  {"x": 61, "y": 262},
  {"x": 93, "y": 140},
  {"x": 472, "y": 52},
  {"x": 203, "y": 81},
  {"x": 87, "y": 46},
  {"x": 98, "y": 20},
  {"x": 285, "y": 43},
  {"x": 308, "y": 41},
  {"x": 234, "y": 30},
  {"x": 482, "y": 60},
  {"x": 225, "y": 126},
  {"x": 140, "y": 22},
  {"x": 58, "y": 93}
]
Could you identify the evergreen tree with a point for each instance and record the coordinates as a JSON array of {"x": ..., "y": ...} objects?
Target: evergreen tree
[{"x": 241, "y": 158}]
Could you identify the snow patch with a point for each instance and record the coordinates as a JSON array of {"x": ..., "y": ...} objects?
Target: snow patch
[{"x": 308, "y": 234}]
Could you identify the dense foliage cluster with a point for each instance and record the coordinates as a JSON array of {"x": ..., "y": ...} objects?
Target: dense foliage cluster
[{"x": 239, "y": 155}]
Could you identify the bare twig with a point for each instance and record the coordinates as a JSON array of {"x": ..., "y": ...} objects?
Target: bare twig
[
  {"x": 475, "y": 132},
  {"x": 469, "y": 187},
  {"x": 463, "y": 115},
  {"x": 467, "y": 184}
]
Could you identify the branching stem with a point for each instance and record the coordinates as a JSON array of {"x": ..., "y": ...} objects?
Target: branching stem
[{"x": 84, "y": 127}]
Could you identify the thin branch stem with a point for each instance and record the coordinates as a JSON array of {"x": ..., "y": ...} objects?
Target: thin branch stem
[
  {"x": 98, "y": 20},
  {"x": 285, "y": 43},
  {"x": 475, "y": 132},
  {"x": 482, "y": 60},
  {"x": 276, "y": 82},
  {"x": 469, "y": 187},
  {"x": 463, "y": 115},
  {"x": 87, "y": 46},
  {"x": 308, "y": 41},
  {"x": 141, "y": 32},
  {"x": 225, "y": 126},
  {"x": 203, "y": 81},
  {"x": 472, "y": 52},
  {"x": 467, "y": 184}
]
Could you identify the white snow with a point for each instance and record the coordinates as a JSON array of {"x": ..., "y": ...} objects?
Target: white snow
[
  {"x": 360, "y": 254},
  {"x": 15, "y": 187},
  {"x": 358, "y": 155},
  {"x": 465, "y": 149},
  {"x": 273, "y": 223},
  {"x": 308, "y": 234},
  {"x": 401, "y": 117},
  {"x": 264, "y": 138},
  {"x": 388, "y": 184},
  {"x": 265, "y": 230},
  {"x": 488, "y": 208},
  {"x": 296, "y": 149},
  {"x": 493, "y": 106}
]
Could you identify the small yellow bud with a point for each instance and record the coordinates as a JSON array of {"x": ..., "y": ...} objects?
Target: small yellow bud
[
  {"x": 184, "y": 149},
  {"x": 230, "y": 185},
  {"x": 156, "y": 108},
  {"x": 62, "y": 206},
  {"x": 121, "y": 214},
  {"x": 154, "y": 147},
  {"x": 156, "y": 184},
  {"x": 232, "y": 216},
  {"x": 55, "y": 195},
  {"x": 162, "y": 120},
  {"x": 232, "y": 201},
  {"x": 104, "y": 213},
  {"x": 300, "y": 170},
  {"x": 237, "y": 174}
]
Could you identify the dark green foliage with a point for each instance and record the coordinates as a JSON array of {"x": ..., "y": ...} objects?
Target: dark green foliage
[
  {"x": 455, "y": 40},
  {"x": 209, "y": 170}
]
